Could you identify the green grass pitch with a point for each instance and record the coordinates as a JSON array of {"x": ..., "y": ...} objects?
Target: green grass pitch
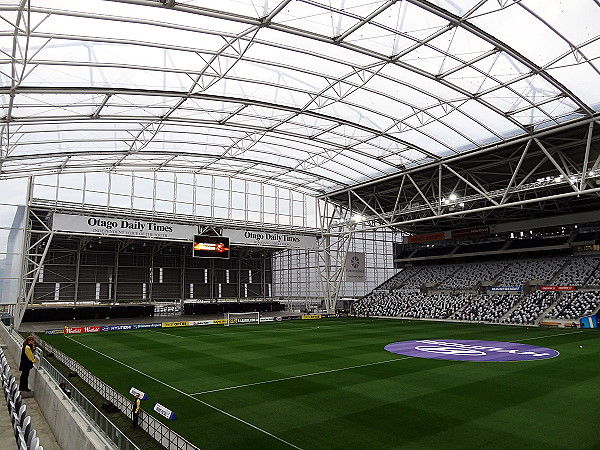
[{"x": 329, "y": 384}]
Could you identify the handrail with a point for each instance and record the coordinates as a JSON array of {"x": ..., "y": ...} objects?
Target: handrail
[
  {"x": 157, "y": 430},
  {"x": 88, "y": 412}
]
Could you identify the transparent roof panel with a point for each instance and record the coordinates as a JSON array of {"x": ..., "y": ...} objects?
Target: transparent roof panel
[{"x": 311, "y": 95}]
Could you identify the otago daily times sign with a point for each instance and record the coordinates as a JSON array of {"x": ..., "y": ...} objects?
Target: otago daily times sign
[
  {"x": 122, "y": 227},
  {"x": 270, "y": 239}
]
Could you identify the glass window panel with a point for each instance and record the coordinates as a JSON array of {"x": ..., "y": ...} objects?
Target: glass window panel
[
  {"x": 469, "y": 79},
  {"x": 238, "y": 199},
  {"x": 96, "y": 198},
  {"x": 498, "y": 123},
  {"x": 143, "y": 187},
  {"x": 203, "y": 210},
  {"x": 335, "y": 61},
  {"x": 315, "y": 19},
  {"x": 474, "y": 130},
  {"x": 529, "y": 116},
  {"x": 254, "y": 216},
  {"x": 411, "y": 20},
  {"x": 120, "y": 201},
  {"x": 221, "y": 198},
  {"x": 184, "y": 209},
  {"x": 164, "y": 190},
  {"x": 120, "y": 184},
  {"x": 163, "y": 206},
  {"x": 14, "y": 191},
  {"x": 418, "y": 139},
  {"x": 221, "y": 213},
  {"x": 70, "y": 195},
  {"x": 448, "y": 136},
  {"x": 203, "y": 196},
  {"x": 238, "y": 214},
  {"x": 144, "y": 204},
  {"x": 559, "y": 107},
  {"x": 502, "y": 67},
  {"x": 582, "y": 80},
  {"x": 96, "y": 182},
  {"x": 523, "y": 32},
  {"x": 425, "y": 58},
  {"x": 577, "y": 21},
  {"x": 185, "y": 192}
]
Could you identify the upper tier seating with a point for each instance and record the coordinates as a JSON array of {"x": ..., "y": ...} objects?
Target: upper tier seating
[
  {"x": 519, "y": 272},
  {"x": 470, "y": 275},
  {"x": 577, "y": 272}
]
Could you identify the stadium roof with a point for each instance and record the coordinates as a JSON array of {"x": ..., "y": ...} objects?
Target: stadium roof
[{"x": 315, "y": 95}]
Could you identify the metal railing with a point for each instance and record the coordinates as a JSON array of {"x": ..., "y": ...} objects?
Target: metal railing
[
  {"x": 157, "y": 430},
  {"x": 92, "y": 414}
]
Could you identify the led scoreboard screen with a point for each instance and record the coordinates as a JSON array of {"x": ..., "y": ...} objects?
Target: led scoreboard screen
[{"x": 211, "y": 247}]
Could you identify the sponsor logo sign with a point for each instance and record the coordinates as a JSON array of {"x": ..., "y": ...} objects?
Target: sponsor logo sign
[
  {"x": 138, "y": 326},
  {"x": 117, "y": 327},
  {"x": 355, "y": 266},
  {"x": 77, "y": 330},
  {"x": 219, "y": 321},
  {"x": 440, "y": 236},
  {"x": 163, "y": 411},
  {"x": 557, "y": 288},
  {"x": 133, "y": 391},
  {"x": 55, "y": 331},
  {"x": 270, "y": 239},
  {"x": 506, "y": 288},
  {"x": 175, "y": 324},
  {"x": 200, "y": 322},
  {"x": 467, "y": 232},
  {"x": 107, "y": 226},
  {"x": 470, "y": 350},
  {"x": 311, "y": 316}
]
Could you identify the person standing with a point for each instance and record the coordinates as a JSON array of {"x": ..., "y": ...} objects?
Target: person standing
[
  {"x": 27, "y": 361},
  {"x": 136, "y": 410}
]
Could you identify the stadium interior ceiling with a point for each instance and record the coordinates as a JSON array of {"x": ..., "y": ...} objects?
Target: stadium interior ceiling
[{"x": 420, "y": 115}]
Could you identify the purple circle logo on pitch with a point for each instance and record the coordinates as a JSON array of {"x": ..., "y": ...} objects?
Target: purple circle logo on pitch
[{"x": 470, "y": 350}]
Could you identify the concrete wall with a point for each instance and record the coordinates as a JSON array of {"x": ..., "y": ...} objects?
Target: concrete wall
[{"x": 70, "y": 430}]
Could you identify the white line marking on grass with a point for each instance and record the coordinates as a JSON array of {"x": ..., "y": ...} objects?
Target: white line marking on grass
[
  {"x": 300, "y": 376},
  {"x": 188, "y": 395},
  {"x": 551, "y": 335},
  {"x": 225, "y": 333},
  {"x": 168, "y": 334}
]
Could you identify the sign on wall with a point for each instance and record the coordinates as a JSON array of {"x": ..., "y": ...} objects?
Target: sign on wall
[
  {"x": 270, "y": 239},
  {"x": 106, "y": 226},
  {"x": 355, "y": 266}
]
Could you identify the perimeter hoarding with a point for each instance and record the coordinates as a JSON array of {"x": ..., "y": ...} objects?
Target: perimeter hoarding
[{"x": 106, "y": 226}]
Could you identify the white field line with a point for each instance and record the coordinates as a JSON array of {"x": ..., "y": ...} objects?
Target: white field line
[
  {"x": 225, "y": 333},
  {"x": 301, "y": 376},
  {"x": 188, "y": 395},
  {"x": 168, "y": 334},
  {"x": 551, "y": 335}
]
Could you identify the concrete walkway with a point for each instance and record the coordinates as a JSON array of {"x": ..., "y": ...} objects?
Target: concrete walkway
[{"x": 7, "y": 436}]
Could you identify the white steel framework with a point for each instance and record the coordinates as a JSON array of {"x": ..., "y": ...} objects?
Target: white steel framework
[{"x": 420, "y": 115}]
